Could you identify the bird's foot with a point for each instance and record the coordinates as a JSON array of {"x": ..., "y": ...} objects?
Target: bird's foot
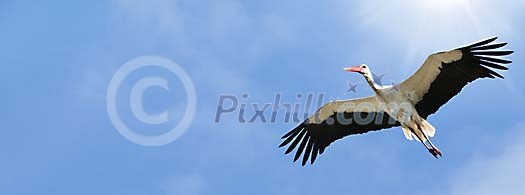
[{"x": 435, "y": 152}]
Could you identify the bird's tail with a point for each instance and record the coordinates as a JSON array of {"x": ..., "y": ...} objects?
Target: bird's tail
[
  {"x": 426, "y": 127},
  {"x": 408, "y": 134}
]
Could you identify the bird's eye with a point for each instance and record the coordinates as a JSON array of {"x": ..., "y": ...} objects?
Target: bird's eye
[{"x": 364, "y": 66}]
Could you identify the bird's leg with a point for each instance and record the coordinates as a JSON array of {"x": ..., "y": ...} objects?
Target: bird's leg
[
  {"x": 434, "y": 150},
  {"x": 424, "y": 144},
  {"x": 420, "y": 139}
]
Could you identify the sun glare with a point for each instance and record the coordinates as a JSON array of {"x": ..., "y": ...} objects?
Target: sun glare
[{"x": 446, "y": 3}]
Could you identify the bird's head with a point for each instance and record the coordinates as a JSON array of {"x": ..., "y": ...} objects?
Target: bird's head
[{"x": 361, "y": 69}]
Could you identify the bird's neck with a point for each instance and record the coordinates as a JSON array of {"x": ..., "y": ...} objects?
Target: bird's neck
[{"x": 372, "y": 84}]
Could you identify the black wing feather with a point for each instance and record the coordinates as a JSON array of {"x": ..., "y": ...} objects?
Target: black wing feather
[
  {"x": 291, "y": 135},
  {"x": 487, "y": 47},
  {"x": 307, "y": 152},
  {"x": 483, "y": 42},
  {"x": 492, "y": 53},
  {"x": 476, "y": 62},
  {"x": 493, "y": 65},
  {"x": 301, "y": 147},
  {"x": 319, "y": 136},
  {"x": 496, "y": 60},
  {"x": 315, "y": 151},
  {"x": 294, "y": 143}
]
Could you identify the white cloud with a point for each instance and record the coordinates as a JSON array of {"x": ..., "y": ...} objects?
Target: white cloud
[
  {"x": 191, "y": 184},
  {"x": 162, "y": 12},
  {"x": 210, "y": 37},
  {"x": 92, "y": 84},
  {"x": 502, "y": 174}
]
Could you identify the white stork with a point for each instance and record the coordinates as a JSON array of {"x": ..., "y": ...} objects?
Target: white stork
[{"x": 408, "y": 104}]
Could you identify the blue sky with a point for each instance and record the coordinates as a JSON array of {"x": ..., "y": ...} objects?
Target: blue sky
[{"x": 58, "y": 58}]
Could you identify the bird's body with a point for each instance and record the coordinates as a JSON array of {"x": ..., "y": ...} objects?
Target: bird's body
[
  {"x": 402, "y": 110},
  {"x": 408, "y": 104}
]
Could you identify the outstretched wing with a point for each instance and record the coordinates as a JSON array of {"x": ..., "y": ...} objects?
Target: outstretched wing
[
  {"x": 334, "y": 121},
  {"x": 444, "y": 74}
]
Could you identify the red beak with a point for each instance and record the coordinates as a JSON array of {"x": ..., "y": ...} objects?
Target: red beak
[{"x": 354, "y": 69}]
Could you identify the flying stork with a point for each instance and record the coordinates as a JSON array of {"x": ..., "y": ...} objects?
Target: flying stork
[{"x": 408, "y": 104}]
